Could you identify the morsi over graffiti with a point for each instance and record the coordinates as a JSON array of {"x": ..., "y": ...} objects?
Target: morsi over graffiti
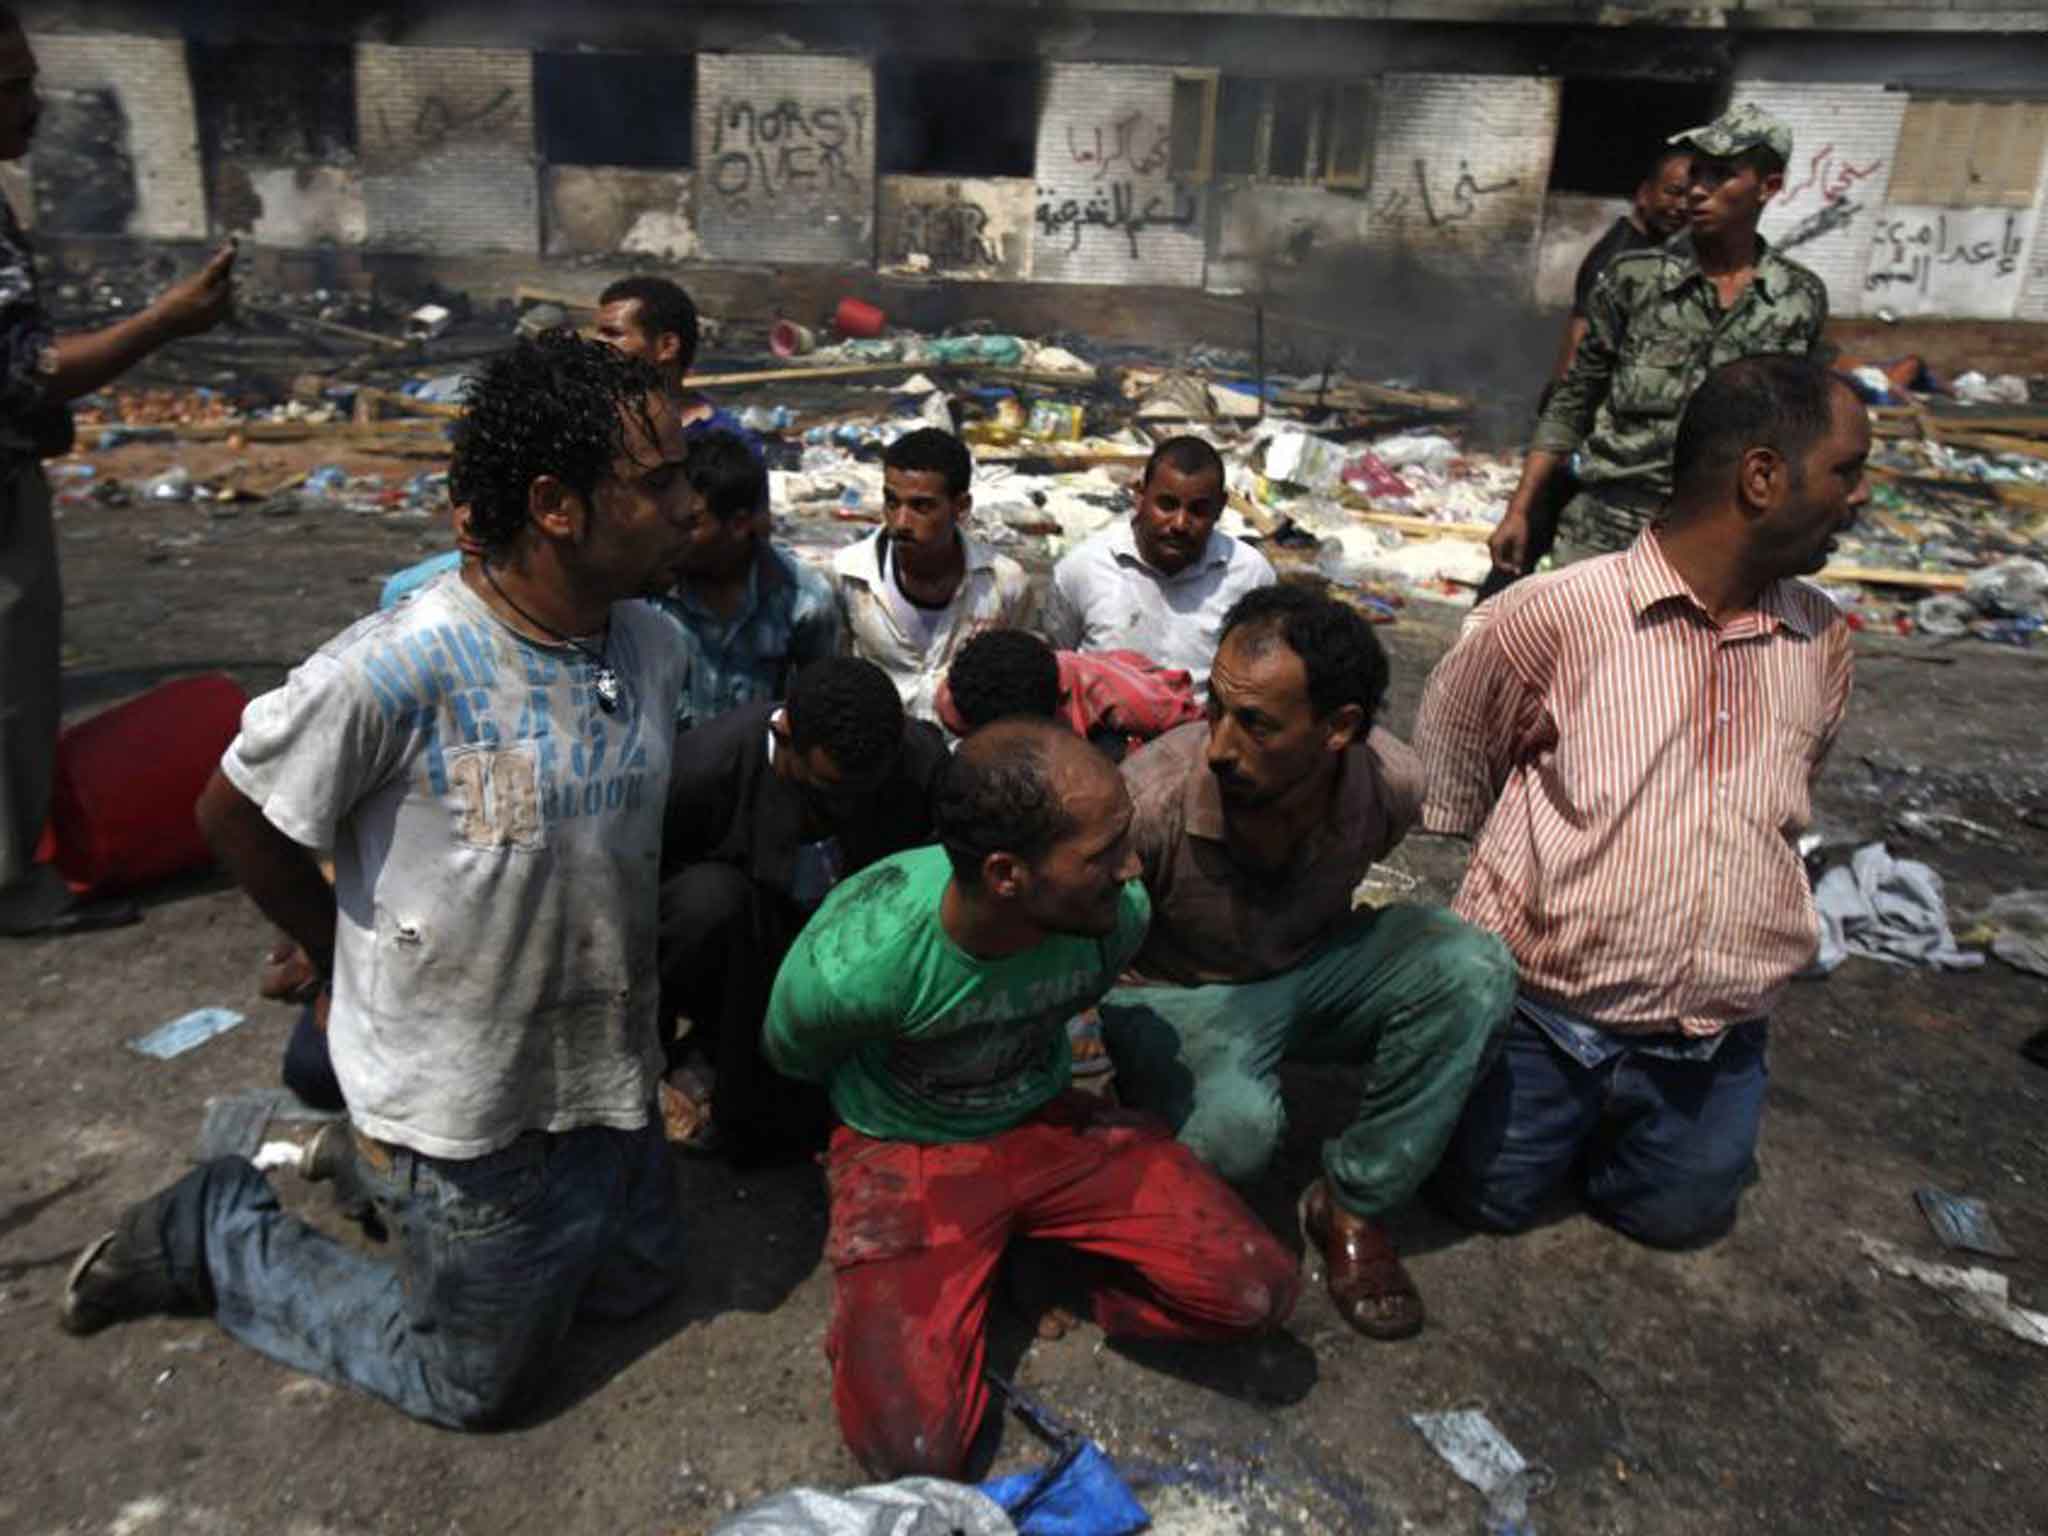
[
  {"x": 785, "y": 161},
  {"x": 785, "y": 151}
]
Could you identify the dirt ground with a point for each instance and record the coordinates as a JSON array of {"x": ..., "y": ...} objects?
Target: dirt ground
[{"x": 1773, "y": 1382}]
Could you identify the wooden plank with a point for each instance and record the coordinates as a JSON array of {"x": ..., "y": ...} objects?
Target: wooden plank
[
  {"x": 835, "y": 371},
  {"x": 1879, "y": 576},
  {"x": 1992, "y": 442},
  {"x": 328, "y": 327}
]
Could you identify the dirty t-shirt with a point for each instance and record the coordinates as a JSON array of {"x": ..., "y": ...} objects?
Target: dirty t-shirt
[
  {"x": 915, "y": 1039},
  {"x": 496, "y": 838}
]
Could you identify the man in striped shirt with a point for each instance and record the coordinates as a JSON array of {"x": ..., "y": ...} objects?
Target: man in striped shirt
[{"x": 1633, "y": 740}]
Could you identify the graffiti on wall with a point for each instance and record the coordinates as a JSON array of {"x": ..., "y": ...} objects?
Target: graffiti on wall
[
  {"x": 1917, "y": 251},
  {"x": 1138, "y": 144},
  {"x": 1113, "y": 206},
  {"x": 1829, "y": 179},
  {"x": 766, "y": 155},
  {"x": 953, "y": 234},
  {"x": 439, "y": 120},
  {"x": 1443, "y": 204}
]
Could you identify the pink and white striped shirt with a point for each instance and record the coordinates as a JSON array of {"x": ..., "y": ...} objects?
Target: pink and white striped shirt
[{"x": 1637, "y": 777}]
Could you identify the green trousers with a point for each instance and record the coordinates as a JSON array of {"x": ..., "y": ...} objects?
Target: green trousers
[{"x": 1412, "y": 995}]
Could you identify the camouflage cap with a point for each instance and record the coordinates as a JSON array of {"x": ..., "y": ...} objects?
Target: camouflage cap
[{"x": 1738, "y": 129}]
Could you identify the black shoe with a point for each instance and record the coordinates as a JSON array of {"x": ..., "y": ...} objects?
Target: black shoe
[
  {"x": 80, "y": 917},
  {"x": 125, "y": 1273}
]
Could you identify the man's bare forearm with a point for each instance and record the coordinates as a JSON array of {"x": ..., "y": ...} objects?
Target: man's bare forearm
[
  {"x": 281, "y": 877},
  {"x": 88, "y": 360}
]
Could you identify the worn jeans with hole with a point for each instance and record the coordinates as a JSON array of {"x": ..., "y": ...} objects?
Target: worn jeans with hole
[
  {"x": 1662, "y": 1147},
  {"x": 1409, "y": 994},
  {"x": 495, "y": 1257}
]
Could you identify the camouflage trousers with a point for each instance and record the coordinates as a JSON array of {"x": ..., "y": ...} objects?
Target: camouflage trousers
[{"x": 1603, "y": 522}]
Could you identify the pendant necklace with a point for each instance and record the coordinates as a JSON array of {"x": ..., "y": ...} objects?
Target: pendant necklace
[{"x": 605, "y": 684}]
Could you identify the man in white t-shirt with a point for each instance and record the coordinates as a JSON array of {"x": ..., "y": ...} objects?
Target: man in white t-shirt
[
  {"x": 489, "y": 764},
  {"x": 920, "y": 588},
  {"x": 1160, "y": 581}
]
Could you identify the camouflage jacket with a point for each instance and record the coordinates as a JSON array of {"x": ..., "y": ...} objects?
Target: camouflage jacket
[
  {"x": 27, "y": 347},
  {"x": 1655, "y": 330}
]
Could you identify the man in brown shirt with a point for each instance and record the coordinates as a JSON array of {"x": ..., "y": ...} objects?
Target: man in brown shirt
[{"x": 1254, "y": 829}]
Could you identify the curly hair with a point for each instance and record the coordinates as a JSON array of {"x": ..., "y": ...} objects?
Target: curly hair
[
  {"x": 1004, "y": 672},
  {"x": 848, "y": 707},
  {"x": 665, "y": 310},
  {"x": 999, "y": 795},
  {"x": 928, "y": 451},
  {"x": 556, "y": 406},
  {"x": 1336, "y": 645}
]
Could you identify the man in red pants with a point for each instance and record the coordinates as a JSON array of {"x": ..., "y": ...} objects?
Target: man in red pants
[{"x": 930, "y": 995}]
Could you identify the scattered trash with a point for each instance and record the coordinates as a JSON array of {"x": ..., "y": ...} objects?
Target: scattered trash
[
  {"x": 1982, "y": 1294},
  {"x": 539, "y": 319},
  {"x": 1962, "y": 1221},
  {"x": 427, "y": 322},
  {"x": 1080, "y": 1494},
  {"x": 911, "y": 1506},
  {"x": 235, "y": 1123},
  {"x": 788, "y": 339},
  {"x": 1973, "y": 388},
  {"x": 1886, "y": 909},
  {"x": 853, "y": 318},
  {"x": 174, "y": 484},
  {"x": 185, "y": 1032},
  {"x": 1480, "y": 1454},
  {"x": 2015, "y": 926}
]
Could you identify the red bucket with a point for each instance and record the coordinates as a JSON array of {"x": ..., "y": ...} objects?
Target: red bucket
[
  {"x": 854, "y": 318},
  {"x": 128, "y": 779}
]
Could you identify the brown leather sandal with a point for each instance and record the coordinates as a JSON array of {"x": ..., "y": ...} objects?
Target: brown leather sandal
[{"x": 1368, "y": 1284}]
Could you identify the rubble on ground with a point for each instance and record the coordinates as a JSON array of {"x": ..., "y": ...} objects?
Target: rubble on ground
[{"x": 1370, "y": 485}]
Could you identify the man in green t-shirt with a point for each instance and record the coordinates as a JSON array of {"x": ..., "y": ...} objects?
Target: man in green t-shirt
[{"x": 930, "y": 996}]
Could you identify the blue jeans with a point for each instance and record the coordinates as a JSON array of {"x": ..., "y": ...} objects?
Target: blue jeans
[
  {"x": 1663, "y": 1145},
  {"x": 495, "y": 1257}
]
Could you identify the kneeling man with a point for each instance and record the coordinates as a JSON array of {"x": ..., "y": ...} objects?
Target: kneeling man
[
  {"x": 489, "y": 764},
  {"x": 1634, "y": 740},
  {"x": 1255, "y": 829},
  {"x": 931, "y": 995}
]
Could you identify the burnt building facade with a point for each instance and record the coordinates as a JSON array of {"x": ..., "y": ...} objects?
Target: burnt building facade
[{"x": 1223, "y": 146}]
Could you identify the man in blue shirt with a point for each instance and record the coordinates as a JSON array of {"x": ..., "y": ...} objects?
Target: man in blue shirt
[{"x": 754, "y": 612}]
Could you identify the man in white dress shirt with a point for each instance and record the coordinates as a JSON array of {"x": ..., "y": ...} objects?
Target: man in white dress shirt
[{"x": 1161, "y": 582}]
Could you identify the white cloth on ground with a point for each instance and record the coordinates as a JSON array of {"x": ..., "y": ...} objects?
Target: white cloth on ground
[{"x": 1886, "y": 909}]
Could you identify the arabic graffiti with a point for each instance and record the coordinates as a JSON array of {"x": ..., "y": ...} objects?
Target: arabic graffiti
[
  {"x": 1828, "y": 178},
  {"x": 1910, "y": 251},
  {"x": 953, "y": 234},
  {"x": 1825, "y": 221},
  {"x": 1142, "y": 148},
  {"x": 1439, "y": 209},
  {"x": 1114, "y": 206},
  {"x": 786, "y": 151}
]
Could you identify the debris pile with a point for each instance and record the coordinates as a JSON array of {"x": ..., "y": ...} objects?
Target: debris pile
[{"x": 1371, "y": 485}]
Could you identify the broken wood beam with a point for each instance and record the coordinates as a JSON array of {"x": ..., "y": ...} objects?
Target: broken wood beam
[{"x": 329, "y": 327}]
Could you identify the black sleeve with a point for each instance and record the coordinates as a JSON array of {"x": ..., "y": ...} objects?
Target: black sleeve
[
  {"x": 1604, "y": 251},
  {"x": 705, "y": 772}
]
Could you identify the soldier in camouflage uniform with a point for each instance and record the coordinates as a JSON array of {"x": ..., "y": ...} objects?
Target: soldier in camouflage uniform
[
  {"x": 1658, "y": 322},
  {"x": 40, "y": 372}
]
